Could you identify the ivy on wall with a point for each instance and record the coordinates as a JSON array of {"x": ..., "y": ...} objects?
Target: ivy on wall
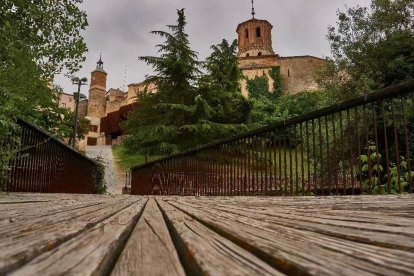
[
  {"x": 277, "y": 78},
  {"x": 259, "y": 86}
]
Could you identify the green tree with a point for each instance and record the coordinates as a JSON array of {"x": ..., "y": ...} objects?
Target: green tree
[
  {"x": 160, "y": 125},
  {"x": 38, "y": 40},
  {"x": 220, "y": 86},
  {"x": 372, "y": 48},
  {"x": 190, "y": 108}
]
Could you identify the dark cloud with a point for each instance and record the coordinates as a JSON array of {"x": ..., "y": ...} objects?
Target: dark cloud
[{"x": 120, "y": 29}]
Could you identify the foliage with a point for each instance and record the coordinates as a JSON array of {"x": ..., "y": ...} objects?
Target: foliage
[
  {"x": 127, "y": 160},
  {"x": 268, "y": 110},
  {"x": 376, "y": 179},
  {"x": 224, "y": 73},
  {"x": 277, "y": 82},
  {"x": 372, "y": 48},
  {"x": 66, "y": 127},
  {"x": 37, "y": 40},
  {"x": 48, "y": 32},
  {"x": 298, "y": 104},
  {"x": 100, "y": 182},
  {"x": 220, "y": 86},
  {"x": 188, "y": 110},
  {"x": 258, "y": 87},
  {"x": 273, "y": 106}
]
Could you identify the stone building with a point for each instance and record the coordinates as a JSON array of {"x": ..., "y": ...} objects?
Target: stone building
[
  {"x": 67, "y": 101},
  {"x": 257, "y": 58},
  {"x": 107, "y": 108}
]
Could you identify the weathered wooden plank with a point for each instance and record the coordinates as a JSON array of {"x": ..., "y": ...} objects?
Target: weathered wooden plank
[
  {"x": 24, "y": 212},
  {"x": 351, "y": 218},
  {"x": 298, "y": 251},
  {"x": 391, "y": 232},
  {"x": 91, "y": 253},
  {"x": 205, "y": 252},
  {"x": 150, "y": 250},
  {"x": 22, "y": 241}
]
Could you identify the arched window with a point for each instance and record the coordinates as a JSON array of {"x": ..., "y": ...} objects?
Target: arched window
[
  {"x": 247, "y": 55},
  {"x": 258, "y": 32},
  {"x": 246, "y": 33},
  {"x": 259, "y": 54}
]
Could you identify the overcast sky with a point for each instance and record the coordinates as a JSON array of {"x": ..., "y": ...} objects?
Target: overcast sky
[{"x": 120, "y": 30}]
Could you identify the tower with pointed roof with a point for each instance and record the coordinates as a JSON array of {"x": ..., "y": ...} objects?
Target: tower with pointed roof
[
  {"x": 97, "y": 91},
  {"x": 255, "y": 37}
]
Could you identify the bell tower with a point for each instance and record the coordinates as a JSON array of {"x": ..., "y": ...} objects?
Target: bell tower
[
  {"x": 255, "y": 37},
  {"x": 97, "y": 91}
]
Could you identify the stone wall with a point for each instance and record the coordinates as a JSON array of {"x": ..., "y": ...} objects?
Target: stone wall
[
  {"x": 97, "y": 103},
  {"x": 135, "y": 88},
  {"x": 67, "y": 101},
  {"x": 83, "y": 108},
  {"x": 112, "y": 106},
  {"x": 97, "y": 94},
  {"x": 115, "y": 94},
  {"x": 297, "y": 72}
]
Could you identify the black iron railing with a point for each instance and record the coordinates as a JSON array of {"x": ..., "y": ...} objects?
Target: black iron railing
[
  {"x": 364, "y": 145},
  {"x": 43, "y": 164}
]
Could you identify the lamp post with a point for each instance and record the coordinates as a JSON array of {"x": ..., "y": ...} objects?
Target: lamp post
[{"x": 79, "y": 83}]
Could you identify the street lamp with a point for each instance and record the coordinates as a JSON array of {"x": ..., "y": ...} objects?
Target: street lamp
[{"x": 79, "y": 83}]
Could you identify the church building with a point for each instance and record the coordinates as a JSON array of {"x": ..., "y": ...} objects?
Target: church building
[{"x": 257, "y": 58}]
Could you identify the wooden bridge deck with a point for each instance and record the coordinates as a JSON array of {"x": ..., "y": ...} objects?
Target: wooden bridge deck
[{"x": 121, "y": 235}]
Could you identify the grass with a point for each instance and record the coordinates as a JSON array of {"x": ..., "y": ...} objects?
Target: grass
[{"x": 127, "y": 160}]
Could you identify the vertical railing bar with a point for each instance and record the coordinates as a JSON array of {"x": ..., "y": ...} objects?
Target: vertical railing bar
[
  {"x": 397, "y": 151},
  {"x": 328, "y": 156},
  {"x": 335, "y": 155},
  {"x": 407, "y": 144},
  {"x": 374, "y": 118},
  {"x": 308, "y": 156},
  {"x": 341, "y": 129},
  {"x": 302, "y": 143},
  {"x": 290, "y": 162},
  {"x": 267, "y": 166},
  {"x": 351, "y": 150},
  {"x": 322, "y": 183},
  {"x": 296, "y": 160},
  {"x": 314, "y": 158},
  {"x": 359, "y": 150},
  {"x": 368, "y": 152},
  {"x": 285, "y": 163}
]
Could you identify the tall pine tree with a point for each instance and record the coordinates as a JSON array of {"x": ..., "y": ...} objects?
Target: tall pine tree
[
  {"x": 189, "y": 109},
  {"x": 156, "y": 127}
]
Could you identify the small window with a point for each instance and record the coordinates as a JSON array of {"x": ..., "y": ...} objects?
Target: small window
[
  {"x": 63, "y": 105},
  {"x": 258, "y": 32},
  {"x": 94, "y": 128},
  {"x": 247, "y": 55},
  {"x": 246, "y": 33},
  {"x": 288, "y": 73},
  {"x": 259, "y": 54},
  {"x": 70, "y": 100}
]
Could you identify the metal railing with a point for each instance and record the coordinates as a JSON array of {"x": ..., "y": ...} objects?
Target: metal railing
[
  {"x": 43, "y": 164},
  {"x": 364, "y": 145}
]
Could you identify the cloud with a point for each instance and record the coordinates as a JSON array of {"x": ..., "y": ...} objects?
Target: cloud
[{"x": 120, "y": 30}]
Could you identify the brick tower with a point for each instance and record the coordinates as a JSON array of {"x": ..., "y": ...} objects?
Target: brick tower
[
  {"x": 97, "y": 92},
  {"x": 255, "y": 37}
]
